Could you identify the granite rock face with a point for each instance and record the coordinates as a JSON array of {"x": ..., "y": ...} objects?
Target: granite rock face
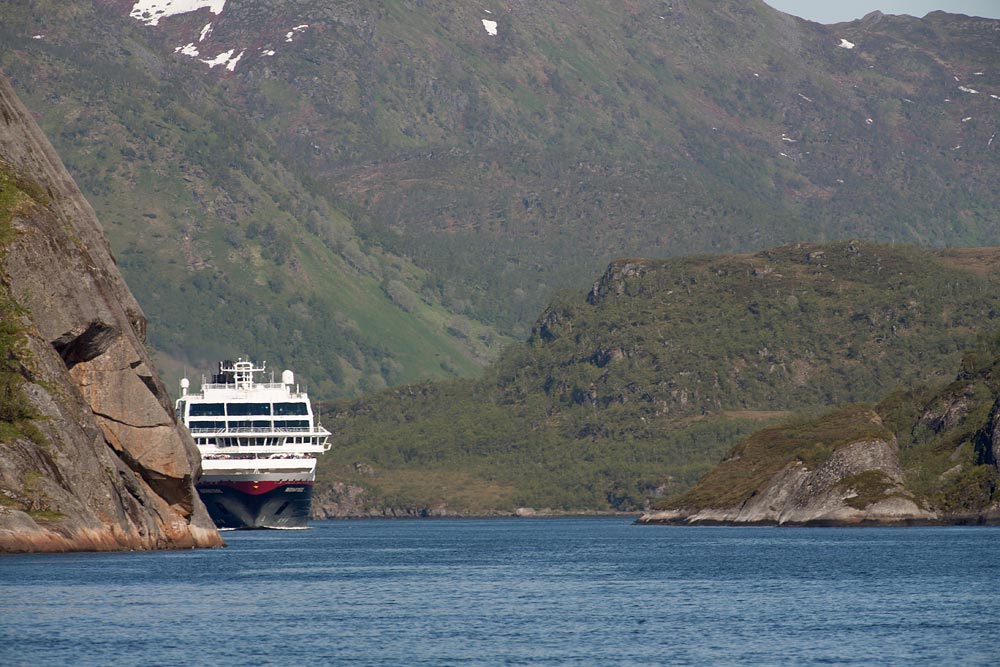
[
  {"x": 113, "y": 470},
  {"x": 800, "y": 496},
  {"x": 859, "y": 482}
]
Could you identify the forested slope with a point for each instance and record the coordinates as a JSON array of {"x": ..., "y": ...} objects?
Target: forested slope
[
  {"x": 633, "y": 390},
  {"x": 369, "y": 191}
]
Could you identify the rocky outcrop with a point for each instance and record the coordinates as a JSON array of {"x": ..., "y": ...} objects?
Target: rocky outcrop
[
  {"x": 351, "y": 501},
  {"x": 108, "y": 467},
  {"x": 861, "y": 483},
  {"x": 615, "y": 280},
  {"x": 838, "y": 469},
  {"x": 987, "y": 441}
]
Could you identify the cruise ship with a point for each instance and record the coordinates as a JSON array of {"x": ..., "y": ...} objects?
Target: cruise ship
[{"x": 258, "y": 444}]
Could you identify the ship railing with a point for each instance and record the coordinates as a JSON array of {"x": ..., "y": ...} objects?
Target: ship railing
[
  {"x": 269, "y": 450},
  {"x": 258, "y": 465},
  {"x": 316, "y": 430},
  {"x": 233, "y": 385},
  {"x": 246, "y": 391}
]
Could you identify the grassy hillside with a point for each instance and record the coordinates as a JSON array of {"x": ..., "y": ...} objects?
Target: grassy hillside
[
  {"x": 947, "y": 436},
  {"x": 228, "y": 250},
  {"x": 371, "y": 197},
  {"x": 514, "y": 164},
  {"x": 636, "y": 389}
]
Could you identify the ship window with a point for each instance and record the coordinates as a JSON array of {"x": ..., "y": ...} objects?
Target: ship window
[
  {"x": 208, "y": 410},
  {"x": 261, "y": 424},
  {"x": 292, "y": 423},
  {"x": 206, "y": 424},
  {"x": 179, "y": 410},
  {"x": 285, "y": 409},
  {"x": 240, "y": 424},
  {"x": 247, "y": 409}
]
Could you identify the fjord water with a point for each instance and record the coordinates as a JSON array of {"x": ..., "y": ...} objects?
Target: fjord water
[{"x": 515, "y": 592}]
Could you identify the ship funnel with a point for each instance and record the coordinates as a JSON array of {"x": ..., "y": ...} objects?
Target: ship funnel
[
  {"x": 287, "y": 377},
  {"x": 184, "y": 386}
]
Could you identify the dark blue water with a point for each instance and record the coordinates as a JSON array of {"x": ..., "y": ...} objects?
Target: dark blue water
[{"x": 516, "y": 592}]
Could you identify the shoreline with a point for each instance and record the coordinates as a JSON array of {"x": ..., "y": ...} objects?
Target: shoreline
[
  {"x": 493, "y": 515},
  {"x": 988, "y": 519}
]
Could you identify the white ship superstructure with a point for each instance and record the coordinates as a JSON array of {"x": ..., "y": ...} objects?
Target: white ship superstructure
[{"x": 258, "y": 444}]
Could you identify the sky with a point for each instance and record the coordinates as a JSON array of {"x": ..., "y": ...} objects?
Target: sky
[{"x": 848, "y": 10}]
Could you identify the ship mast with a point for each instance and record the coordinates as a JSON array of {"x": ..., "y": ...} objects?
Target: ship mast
[{"x": 242, "y": 372}]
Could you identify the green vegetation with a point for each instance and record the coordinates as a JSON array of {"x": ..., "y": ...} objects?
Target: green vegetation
[
  {"x": 395, "y": 194},
  {"x": 946, "y": 435},
  {"x": 750, "y": 465},
  {"x": 228, "y": 251},
  {"x": 16, "y": 413},
  {"x": 631, "y": 393},
  {"x": 869, "y": 487},
  {"x": 465, "y": 445},
  {"x": 945, "y": 438}
]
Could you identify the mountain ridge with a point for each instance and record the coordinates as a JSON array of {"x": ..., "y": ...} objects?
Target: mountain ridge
[
  {"x": 630, "y": 391},
  {"x": 478, "y": 173}
]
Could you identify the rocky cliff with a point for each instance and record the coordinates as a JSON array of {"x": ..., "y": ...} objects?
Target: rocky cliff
[
  {"x": 94, "y": 459},
  {"x": 859, "y": 481},
  {"x": 921, "y": 456}
]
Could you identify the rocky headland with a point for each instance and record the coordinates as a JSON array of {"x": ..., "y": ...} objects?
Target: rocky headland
[
  {"x": 91, "y": 457},
  {"x": 920, "y": 457}
]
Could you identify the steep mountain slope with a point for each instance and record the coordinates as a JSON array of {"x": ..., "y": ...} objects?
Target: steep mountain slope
[
  {"x": 925, "y": 455},
  {"x": 504, "y": 161},
  {"x": 90, "y": 455},
  {"x": 229, "y": 251},
  {"x": 634, "y": 390},
  {"x": 510, "y": 163}
]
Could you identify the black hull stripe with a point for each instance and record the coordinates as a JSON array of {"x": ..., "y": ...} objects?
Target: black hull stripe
[{"x": 285, "y": 507}]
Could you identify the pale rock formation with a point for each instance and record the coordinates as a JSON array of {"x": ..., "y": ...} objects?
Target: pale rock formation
[{"x": 797, "y": 495}]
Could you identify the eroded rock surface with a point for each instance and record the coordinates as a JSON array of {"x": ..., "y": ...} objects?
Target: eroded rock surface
[
  {"x": 112, "y": 470},
  {"x": 858, "y": 482},
  {"x": 800, "y": 496}
]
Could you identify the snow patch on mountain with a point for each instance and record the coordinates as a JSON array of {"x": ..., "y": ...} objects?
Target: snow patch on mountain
[
  {"x": 151, "y": 11},
  {"x": 231, "y": 65},
  {"x": 297, "y": 29},
  {"x": 491, "y": 27},
  {"x": 225, "y": 58},
  {"x": 205, "y": 32},
  {"x": 844, "y": 44}
]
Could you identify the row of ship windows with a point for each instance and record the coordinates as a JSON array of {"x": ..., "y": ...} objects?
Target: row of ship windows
[
  {"x": 257, "y": 442},
  {"x": 244, "y": 409},
  {"x": 256, "y": 423}
]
